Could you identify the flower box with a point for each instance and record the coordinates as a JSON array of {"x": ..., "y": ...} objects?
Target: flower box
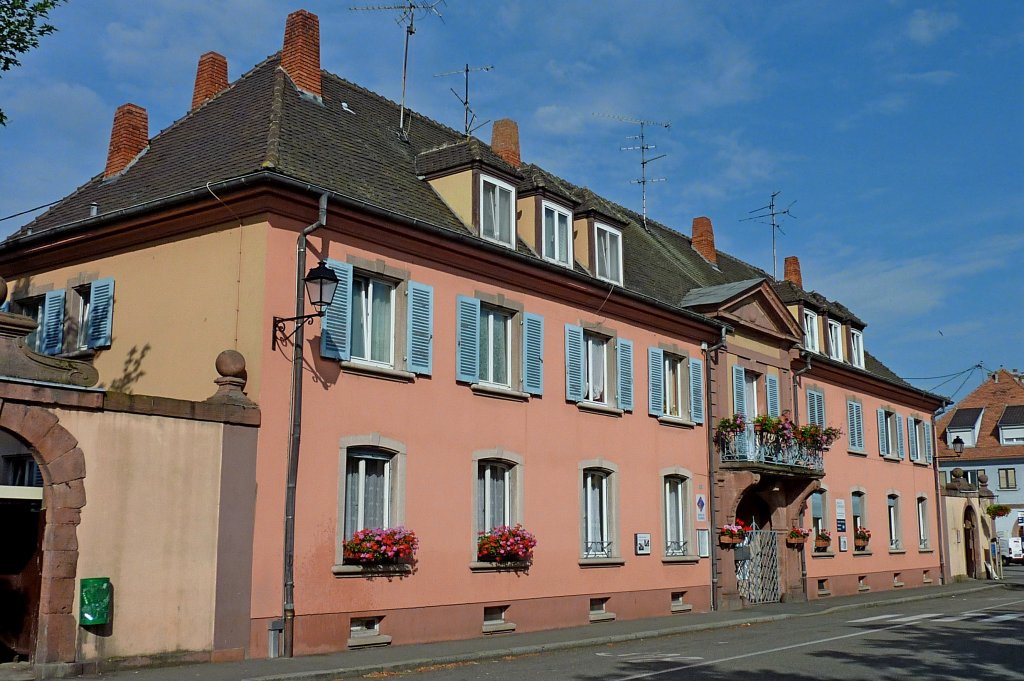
[
  {"x": 381, "y": 546},
  {"x": 729, "y": 539},
  {"x": 860, "y": 544},
  {"x": 796, "y": 541},
  {"x": 506, "y": 544},
  {"x": 822, "y": 543}
]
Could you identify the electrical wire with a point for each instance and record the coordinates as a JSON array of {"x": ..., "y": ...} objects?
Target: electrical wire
[
  {"x": 935, "y": 378},
  {"x": 24, "y": 212}
]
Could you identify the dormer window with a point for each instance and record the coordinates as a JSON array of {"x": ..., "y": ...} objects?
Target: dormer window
[
  {"x": 497, "y": 206},
  {"x": 1011, "y": 425},
  {"x": 857, "y": 348},
  {"x": 609, "y": 253},
  {"x": 965, "y": 424},
  {"x": 811, "y": 331},
  {"x": 835, "y": 340},
  {"x": 557, "y": 234}
]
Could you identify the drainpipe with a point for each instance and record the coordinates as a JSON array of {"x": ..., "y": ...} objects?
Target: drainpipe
[
  {"x": 295, "y": 431},
  {"x": 939, "y": 503},
  {"x": 796, "y": 419},
  {"x": 709, "y": 420}
]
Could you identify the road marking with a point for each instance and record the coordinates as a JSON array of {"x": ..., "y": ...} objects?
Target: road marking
[
  {"x": 875, "y": 618},
  {"x": 1003, "y": 618},
  {"x": 958, "y": 618},
  {"x": 866, "y": 632},
  {"x": 915, "y": 618}
]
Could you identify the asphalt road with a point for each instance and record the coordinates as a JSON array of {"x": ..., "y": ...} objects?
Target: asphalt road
[{"x": 974, "y": 636}]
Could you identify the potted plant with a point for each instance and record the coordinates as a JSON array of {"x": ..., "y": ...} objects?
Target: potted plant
[
  {"x": 381, "y": 546},
  {"x": 506, "y": 544},
  {"x": 861, "y": 537},
  {"x": 813, "y": 436},
  {"x": 797, "y": 536},
  {"x": 732, "y": 534},
  {"x": 777, "y": 429},
  {"x": 728, "y": 428},
  {"x": 997, "y": 510},
  {"x": 823, "y": 539}
]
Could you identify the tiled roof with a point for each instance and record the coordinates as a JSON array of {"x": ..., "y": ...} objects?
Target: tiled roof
[
  {"x": 349, "y": 144},
  {"x": 1001, "y": 391},
  {"x": 1013, "y": 415},
  {"x": 791, "y": 293}
]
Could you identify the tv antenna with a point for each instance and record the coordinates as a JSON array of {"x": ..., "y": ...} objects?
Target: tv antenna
[
  {"x": 769, "y": 215},
  {"x": 408, "y": 17},
  {"x": 464, "y": 100},
  {"x": 643, "y": 147}
]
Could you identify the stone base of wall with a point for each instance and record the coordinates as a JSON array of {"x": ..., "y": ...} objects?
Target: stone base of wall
[{"x": 849, "y": 585}]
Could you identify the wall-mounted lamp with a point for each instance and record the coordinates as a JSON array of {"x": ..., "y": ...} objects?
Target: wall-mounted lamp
[
  {"x": 958, "y": 445},
  {"x": 320, "y": 282}
]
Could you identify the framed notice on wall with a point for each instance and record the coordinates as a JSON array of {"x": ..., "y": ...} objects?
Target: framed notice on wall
[{"x": 703, "y": 543}]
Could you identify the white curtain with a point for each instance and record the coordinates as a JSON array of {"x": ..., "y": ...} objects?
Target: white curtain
[
  {"x": 358, "y": 331},
  {"x": 380, "y": 316},
  {"x": 366, "y": 482}
]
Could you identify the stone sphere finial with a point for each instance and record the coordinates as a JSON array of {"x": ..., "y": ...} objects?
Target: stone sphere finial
[
  {"x": 3, "y": 290},
  {"x": 231, "y": 364},
  {"x": 982, "y": 478},
  {"x": 957, "y": 473}
]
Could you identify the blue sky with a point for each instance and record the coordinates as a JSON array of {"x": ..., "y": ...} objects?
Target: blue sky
[{"x": 897, "y": 127}]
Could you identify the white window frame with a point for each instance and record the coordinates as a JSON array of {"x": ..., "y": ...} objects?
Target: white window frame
[
  {"x": 891, "y": 435},
  {"x": 367, "y": 320},
  {"x": 611, "y": 232},
  {"x": 811, "y": 331},
  {"x": 1011, "y": 435},
  {"x": 360, "y": 458},
  {"x": 1008, "y": 481},
  {"x": 567, "y": 214},
  {"x": 915, "y": 429},
  {"x": 922, "y": 522},
  {"x": 892, "y": 502},
  {"x": 858, "y": 520},
  {"x": 675, "y": 379},
  {"x": 596, "y": 345},
  {"x": 819, "y": 523},
  {"x": 395, "y": 489},
  {"x": 679, "y": 544},
  {"x": 489, "y": 314},
  {"x": 33, "y": 308},
  {"x": 835, "y": 340},
  {"x": 496, "y": 237},
  {"x": 84, "y": 294},
  {"x": 857, "y": 348},
  {"x": 602, "y": 476},
  {"x": 490, "y": 468}
]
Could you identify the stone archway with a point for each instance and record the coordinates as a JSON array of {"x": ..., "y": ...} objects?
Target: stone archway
[
  {"x": 62, "y": 465},
  {"x": 971, "y": 542}
]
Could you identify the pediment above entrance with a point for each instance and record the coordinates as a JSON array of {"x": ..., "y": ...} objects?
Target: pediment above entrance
[{"x": 751, "y": 306}]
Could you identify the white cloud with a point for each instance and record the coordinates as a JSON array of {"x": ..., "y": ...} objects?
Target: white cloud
[
  {"x": 733, "y": 167},
  {"x": 927, "y": 26},
  {"x": 926, "y": 77},
  {"x": 886, "y": 105}
]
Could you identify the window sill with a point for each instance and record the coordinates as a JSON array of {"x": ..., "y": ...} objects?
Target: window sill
[
  {"x": 854, "y": 452},
  {"x": 822, "y": 554},
  {"x": 602, "y": 617},
  {"x": 499, "y": 627},
  {"x": 598, "y": 408},
  {"x": 863, "y": 589},
  {"x": 490, "y": 566},
  {"x": 676, "y": 422},
  {"x": 601, "y": 562},
  {"x": 682, "y": 607},
  {"x": 863, "y": 553},
  {"x": 686, "y": 560},
  {"x": 399, "y": 570},
  {"x": 823, "y": 593},
  {"x": 926, "y": 580},
  {"x": 898, "y": 585},
  {"x": 897, "y": 552},
  {"x": 81, "y": 354},
  {"x": 922, "y": 464},
  {"x": 377, "y": 371},
  {"x": 925, "y": 549},
  {"x": 498, "y": 392},
  {"x": 369, "y": 641},
  {"x": 891, "y": 459}
]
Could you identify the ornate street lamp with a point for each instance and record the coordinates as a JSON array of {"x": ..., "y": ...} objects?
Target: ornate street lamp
[
  {"x": 958, "y": 445},
  {"x": 320, "y": 283}
]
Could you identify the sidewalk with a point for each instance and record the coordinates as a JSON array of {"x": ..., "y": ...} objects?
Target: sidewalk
[{"x": 396, "y": 658}]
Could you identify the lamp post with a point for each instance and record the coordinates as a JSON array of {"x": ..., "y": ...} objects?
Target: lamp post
[
  {"x": 958, "y": 445},
  {"x": 320, "y": 283}
]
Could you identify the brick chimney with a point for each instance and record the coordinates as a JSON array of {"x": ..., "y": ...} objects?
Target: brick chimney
[
  {"x": 300, "y": 56},
  {"x": 792, "y": 271},
  {"x": 128, "y": 138},
  {"x": 211, "y": 77},
  {"x": 505, "y": 141},
  {"x": 704, "y": 239}
]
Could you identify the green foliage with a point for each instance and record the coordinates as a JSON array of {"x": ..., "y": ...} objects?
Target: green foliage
[{"x": 22, "y": 24}]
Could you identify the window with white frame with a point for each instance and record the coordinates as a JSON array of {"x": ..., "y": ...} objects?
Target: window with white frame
[
  {"x": 857, "y": 348},
  {"x": 810, "y": 331},
  {"x": 498, "y": 346},
  {"x": 819, "y": 522},
  {"x": 595, "y": 358},
  {"x": 855, "y": 425},
  {"x": 556, "y": 234},
  {"x": 676, "y": 525},
  {"x": 917, "y": 436},
  {"x": 373, "y": 320},
  {"x": 815, "y": 407},
  {"x": 598, "y": 368},
  {"x": 596, "y": 497},
  {"x": 33, "y": 308},
  {"x": 1007, "y": 478},
  {"x": 493, "y": 495},
  {"x": 497, "y": 211},
  {"x": 922, "y": 522},
  {"x": 750, "y": 383},
  {"x": 367, "y": 490},
  {"x": 1011, "y": 425},
  {"x": 495, "y": 346},
  {"x": 890, "y": 434},
  {"x": 893, "y": 503},
  {"x": 676, "y": 386},
  {"x": 84, "y": 294},
  {"x": 1011, "y": 435},
  {"x": 835, "y": 340},
  {"x": 609, "y": 253},
  {"x": 858, "y": 509}
]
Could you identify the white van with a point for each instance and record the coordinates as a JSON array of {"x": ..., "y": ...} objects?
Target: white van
[{"x": 1012, "y": 550}]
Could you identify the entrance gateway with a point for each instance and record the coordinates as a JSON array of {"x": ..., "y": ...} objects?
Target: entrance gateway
[{"x": 757, "y": 577}]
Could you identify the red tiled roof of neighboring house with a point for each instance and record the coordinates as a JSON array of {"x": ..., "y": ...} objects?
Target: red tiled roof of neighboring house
[{"x": 1000, "y": 390}]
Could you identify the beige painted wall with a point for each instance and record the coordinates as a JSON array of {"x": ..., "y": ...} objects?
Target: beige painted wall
[
  {"x": 526, "y": 222},
  {"x": 150, "y": 525},
  {"x": 457, "y": 191},
  {"x": 581, "y": 242},
  {"x": 156, "y": 287},
  {"x": 751, "y": 344}
]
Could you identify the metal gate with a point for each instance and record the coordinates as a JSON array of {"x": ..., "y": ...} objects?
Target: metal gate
[{"x": 758, "y": 575}]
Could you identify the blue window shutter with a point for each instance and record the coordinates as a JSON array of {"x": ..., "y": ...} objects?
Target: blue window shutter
[
  {"x": 101, "y": 312},
  {"x": 821, "y": 409},
  {"x": 899, "y": 437},
  {"x": 739, "y": 395},
  {"x": 574, "y": 378},
  {"x": 883, "y": 443},
  {"x": 912, "y": 439},
  {"x": 52, "y": 333},
  {"x": 771, "y": 384},
  {"x": 533, "y": 354},
  {"x": 816, "y": 408},
  {"x": 655, "y": 381},
  {"x": 467, "y": 339},
  {"x": 420, "y": 336},
  {"x": 855, "y": 425},
  {"x": 336, "y": 324},
  {"x": 624, "y": 365},
  {"x": 928, "y": 452},
  {"x": 697, "y": 390}
]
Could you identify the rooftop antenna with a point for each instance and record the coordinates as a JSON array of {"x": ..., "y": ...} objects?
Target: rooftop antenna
[
  {"x": 643, "y": 148},
  {"x": 408, "y": 17},
  {"x": 769, "y": 215},
  {"x": 470, "y": 114}
]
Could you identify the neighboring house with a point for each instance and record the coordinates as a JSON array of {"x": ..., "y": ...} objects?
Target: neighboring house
[
  {"x": 990, "y": 422},
  {"x": 504, "y": 347}
]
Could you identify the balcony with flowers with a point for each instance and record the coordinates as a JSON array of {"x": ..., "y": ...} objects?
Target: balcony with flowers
[{"x": 774, "y": 442}]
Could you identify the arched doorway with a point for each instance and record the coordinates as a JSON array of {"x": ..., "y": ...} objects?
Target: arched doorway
[
  {"x": 970, "y": 542},
  {"x": 758, "y": 579},
  {"x": 754, "y": 510}
]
